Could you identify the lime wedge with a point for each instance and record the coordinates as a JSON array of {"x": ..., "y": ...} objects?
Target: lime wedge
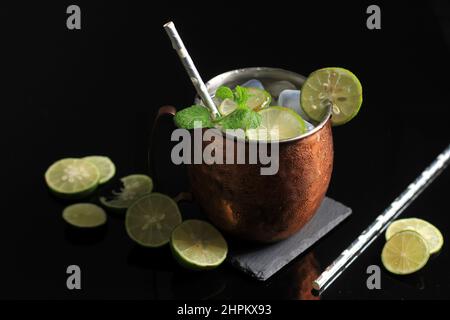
[
  {"x": 84, "y": 215},
  {"x": 134, "y": 187},
  {"x": 72, "y": 178},
  {"x": 335, "y": 87},
  {"x": 104, "y": 165},
  {"x": 258, "y": 99},
  {"x": 430, "y": 233},
  {"x": 405, "y": 252},
  {"x": 151, "y": 220},
  {"x": 277, "y": 123},
  {"x": 198, "y": 245}
]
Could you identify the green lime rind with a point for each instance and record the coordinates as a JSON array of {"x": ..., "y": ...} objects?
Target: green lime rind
[
  {"x": 134, "y": 187},
  {"x": 151, "y": 220},
  {"x": 337, "y": 87},
  {"x": 105, "y": 166},
  {"x": 72, "y": 178},
  {"x": 405, "y": 252},
  {"x": 84, "y": 215},
  {"x": 197, "y": 245}
]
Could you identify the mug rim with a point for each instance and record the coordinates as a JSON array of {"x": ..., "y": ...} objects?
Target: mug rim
[{"x": 220, "y": 78}]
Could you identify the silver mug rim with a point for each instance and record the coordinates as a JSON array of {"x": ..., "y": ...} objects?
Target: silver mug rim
[{"x": 299, "y": 79}]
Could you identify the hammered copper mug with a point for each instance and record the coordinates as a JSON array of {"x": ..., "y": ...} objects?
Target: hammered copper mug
[{"x": 265, "y": 208}]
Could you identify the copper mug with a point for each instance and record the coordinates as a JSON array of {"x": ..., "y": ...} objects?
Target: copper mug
[{"x": 266, "y": 208}]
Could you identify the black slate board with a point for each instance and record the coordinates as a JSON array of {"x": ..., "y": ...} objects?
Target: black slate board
[{"x": 263, "y": 261}]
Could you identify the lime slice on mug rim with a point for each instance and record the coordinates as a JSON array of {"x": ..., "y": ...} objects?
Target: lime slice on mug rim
[{"x": 337, "y": 88}]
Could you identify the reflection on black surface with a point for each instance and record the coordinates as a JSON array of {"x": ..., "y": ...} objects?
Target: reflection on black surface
[
  {"x": 156, "y": 259},
  {"x": 201, "y": 285},
  {"x": 412, "y": 281},
  {"x": 296, "y": 281},
  {"x": 84, "y": 236}
]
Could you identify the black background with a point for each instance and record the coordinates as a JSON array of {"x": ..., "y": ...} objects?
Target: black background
[{"x": 96, "y": 90}]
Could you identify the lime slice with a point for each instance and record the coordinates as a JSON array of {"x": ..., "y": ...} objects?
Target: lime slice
[
  {"x": 258, "y": 99},
  {"x": 430, "y": 233},
  {"x": 104, "y": 165},
  {"x": 335, "y": 87},
  {"x": 84, "y": 215},
  {"x": 72, "y": 178},
  {"x": 198, "y": 245},
  {"x": 134, "y": 187},
  {"x": 406, "y": 252},
  {"x": 278, "y": 123},
  {"x": 151, "y": 220}
]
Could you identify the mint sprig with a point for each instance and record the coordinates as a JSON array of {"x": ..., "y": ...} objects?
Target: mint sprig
[
  {"x": 242, "y": 117},
  {"x": 224, "y": 93},
  {"x": 193, "y": 117}
]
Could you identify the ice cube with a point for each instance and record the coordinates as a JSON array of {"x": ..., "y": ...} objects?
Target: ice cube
[
  {"x": 309, "y": 126},
  {"x": 253, "y": 83},
  {"x": 276, "y": 87},
  {"x": 291, "y": 99}
]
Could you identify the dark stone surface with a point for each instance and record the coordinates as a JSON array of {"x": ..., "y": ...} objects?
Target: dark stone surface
[{"x": 263, "y": 261}]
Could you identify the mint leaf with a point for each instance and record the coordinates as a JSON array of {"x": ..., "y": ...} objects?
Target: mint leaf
[
  {"x": 241, "y": 95},
  {"x": 188, "y": 117},
  {"x": 224, "y": 93},
  {"x": 241, "y": 118}
]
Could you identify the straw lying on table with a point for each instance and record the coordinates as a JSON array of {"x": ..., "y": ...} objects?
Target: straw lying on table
[{"x": 376, "y": 228}]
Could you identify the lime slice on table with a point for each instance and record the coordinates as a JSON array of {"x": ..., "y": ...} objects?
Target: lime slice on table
[
  {"x": 277, "y": 123},
  {"x": 430, "y": 233},
  {"x": 84, "y": 215},
  {"x": 104, "y": 165},
  {"x": 335, "y": 87},
  {"x": 258, "y": 99},
  {"x": 72, "y": 178},
  {"x": 405, "y": 253},
  {"x": 151, "y": 220},
  {"x": 198, "y": 245},
  {"x": 134, "y": 187}
]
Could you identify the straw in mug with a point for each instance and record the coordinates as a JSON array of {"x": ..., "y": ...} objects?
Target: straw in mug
[{"x": 188, "y": 64}]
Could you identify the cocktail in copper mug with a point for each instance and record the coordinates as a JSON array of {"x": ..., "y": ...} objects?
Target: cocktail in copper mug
[{"x": 242, "y": 202}]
